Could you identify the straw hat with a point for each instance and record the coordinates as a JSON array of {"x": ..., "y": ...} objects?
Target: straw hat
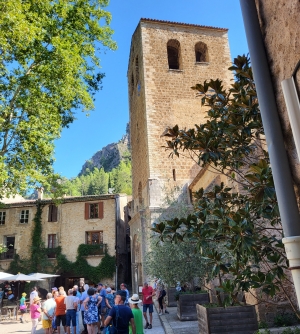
[
  {"x": 134, "y": 299},
  {"x": 24, "y": 294},
  {"x": 36, "y": 299}
]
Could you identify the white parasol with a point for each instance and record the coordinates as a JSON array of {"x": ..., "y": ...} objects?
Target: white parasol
[
  {"x": 41, "y": 275},
  {"x": 3, "y": 274},
  {"x": 20, "y": 277}
]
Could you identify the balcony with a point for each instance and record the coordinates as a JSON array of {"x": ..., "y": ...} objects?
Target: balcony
[
  {"x": 92, "y": 250},
  {"x": 9, "y": 255},
  {"x": 51, "y": 252}
]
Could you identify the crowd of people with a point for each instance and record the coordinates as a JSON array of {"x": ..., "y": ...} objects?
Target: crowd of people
[{"x": 101, "y": 308}]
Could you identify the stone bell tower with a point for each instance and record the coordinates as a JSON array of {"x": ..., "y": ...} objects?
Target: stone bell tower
[{"x": 166, "y": 60}]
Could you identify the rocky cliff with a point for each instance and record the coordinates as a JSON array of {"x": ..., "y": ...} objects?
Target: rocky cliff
[{"x": 110, "y": 156}]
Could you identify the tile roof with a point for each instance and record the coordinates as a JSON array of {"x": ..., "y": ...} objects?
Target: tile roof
[
  {"x": 182, "y": 24},
  {"x": 63, "y": 200}
]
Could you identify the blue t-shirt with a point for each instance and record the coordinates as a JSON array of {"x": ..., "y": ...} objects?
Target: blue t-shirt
[
  {"x": 82, "y": 298},
  {"x": 127, "y": 296},
  {"x": 122, "y": 323},
  {"x": 103, "y": 295}
]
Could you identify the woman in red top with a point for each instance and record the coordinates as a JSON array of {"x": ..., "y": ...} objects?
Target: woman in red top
[{"x": 35, "y": 312}]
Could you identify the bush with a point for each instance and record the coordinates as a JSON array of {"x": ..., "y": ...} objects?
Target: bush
[{"x": 285, "y": 319}]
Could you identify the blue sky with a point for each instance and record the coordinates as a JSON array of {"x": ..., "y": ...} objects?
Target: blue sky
[{"x": 107, "y": 123}]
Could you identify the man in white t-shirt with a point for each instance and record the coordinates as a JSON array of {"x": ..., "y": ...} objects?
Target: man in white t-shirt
[
  {"x": 49, "y": 307},
  {"x": 71, "y": 306},
  {"x": 33, "y": 294}
]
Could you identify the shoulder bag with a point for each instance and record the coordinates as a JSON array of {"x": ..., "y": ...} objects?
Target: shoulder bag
[{"x": 111, "y": 329}]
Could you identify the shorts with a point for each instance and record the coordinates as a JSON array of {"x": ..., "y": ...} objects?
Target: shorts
[
  {"x": 23, "y": 311},
  {"x": 46, "y": 323},
  {"x": 60, "y": 319},
  {"x": 71, "y": 316},
  {"x": 148, "y": 306}
]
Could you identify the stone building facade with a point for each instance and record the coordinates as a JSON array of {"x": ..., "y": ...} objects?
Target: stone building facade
[
  {"x": 166, "y": 60},
  {"x": 91, "y": 220}
]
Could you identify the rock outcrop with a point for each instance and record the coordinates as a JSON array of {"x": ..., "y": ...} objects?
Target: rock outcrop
[{"x": 110, "y": 156}]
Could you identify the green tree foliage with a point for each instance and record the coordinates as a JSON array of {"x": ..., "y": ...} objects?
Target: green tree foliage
[
  {"x": 174, "y": 263},
  {"x": 98, "y": 181},
  {"x": 48, "y": 70},
  {"x": 244, "y": 219},
  {"x": 121, "y": 178},
  {"x": 3, "y": 248}
]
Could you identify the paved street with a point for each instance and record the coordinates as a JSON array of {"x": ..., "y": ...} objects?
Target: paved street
[
  {"x": 165, "y": 324},
  {"x": 172, "y": 325}
]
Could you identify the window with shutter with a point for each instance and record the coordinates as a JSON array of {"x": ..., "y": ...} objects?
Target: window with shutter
[
  {"x": 94, "y": 210},
  {"x": 52, "y": 213}
]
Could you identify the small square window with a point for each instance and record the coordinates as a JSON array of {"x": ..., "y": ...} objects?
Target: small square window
[
  {"x": 2, "y": 217},
  {"x": 24, "y": 217}
]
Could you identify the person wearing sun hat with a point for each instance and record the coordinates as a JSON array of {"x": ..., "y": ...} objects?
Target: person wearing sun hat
[
  {"x": 35, "y": 312},
  {"x": 137, "y": 314}
]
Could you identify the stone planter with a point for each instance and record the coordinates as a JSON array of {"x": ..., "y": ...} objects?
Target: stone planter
[
  {"x": 170, "y": 297},
  {"x": 186, "y": 305},
  {"x": 229, "y": 320}
]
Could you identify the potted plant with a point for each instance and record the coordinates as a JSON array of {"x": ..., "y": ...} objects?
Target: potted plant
[{"x": 187, "y": 302}]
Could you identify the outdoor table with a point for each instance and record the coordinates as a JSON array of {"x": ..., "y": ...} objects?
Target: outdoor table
[{"x": 14, "y": 309}]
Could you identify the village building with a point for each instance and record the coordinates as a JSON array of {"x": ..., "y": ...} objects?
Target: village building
[
  {"x": 166, "y": 60},
  {"x": 98, "y": 220}
]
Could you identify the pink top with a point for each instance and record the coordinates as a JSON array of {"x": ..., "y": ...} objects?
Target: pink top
[{"x": 34, "y": 313}]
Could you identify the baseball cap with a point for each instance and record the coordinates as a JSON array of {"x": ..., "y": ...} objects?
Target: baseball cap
[{"x": 100, "y": 284}]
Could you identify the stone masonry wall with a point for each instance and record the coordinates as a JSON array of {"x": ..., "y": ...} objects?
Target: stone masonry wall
[
  {"x": 280, "y": 23},
  {"x": 169, "y": 97},
  {"x": 159, "y": 98},
  {"x": 21, "y": 232}
]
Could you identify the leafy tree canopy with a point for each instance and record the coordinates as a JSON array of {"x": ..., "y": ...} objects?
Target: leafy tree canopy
[
  {"x": 48, "y": 70},
  {"x": 98, "y": 182}
]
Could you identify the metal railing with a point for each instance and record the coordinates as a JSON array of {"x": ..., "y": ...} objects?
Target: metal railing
[
  {"x": 96, "y": 249},
  {"x": 10, "y": 254}
]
